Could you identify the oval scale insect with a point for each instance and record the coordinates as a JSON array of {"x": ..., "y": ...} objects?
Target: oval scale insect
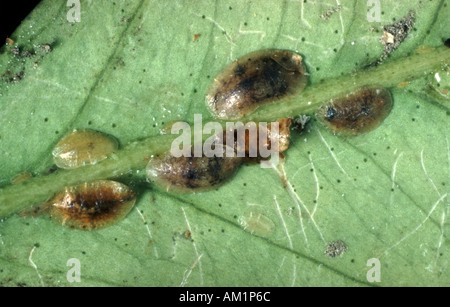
[
  {"x": 282, "y": 136},
  {"x": 256, "y": 223},
  {"x": 88, "y": 206},
  {"x": 258, "y": 78},
  {"x": 358, "y": 112},
  {"x": 82, "y": 147},
  {"x": 191, "y": 174}
]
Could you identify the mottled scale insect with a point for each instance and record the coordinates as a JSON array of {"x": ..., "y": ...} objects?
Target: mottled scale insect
[
  {"x": 83, "y": 147},
  {"x": 191, "y": 174},
  {"x": 88, "y": 206},
  {"x": 258, "y": 78},
  {"x": 358, "y": 112},
  {"x": 282, "y": 136}
]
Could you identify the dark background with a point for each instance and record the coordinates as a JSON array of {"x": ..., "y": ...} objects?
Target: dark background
[{"x": 12, "y": 13}]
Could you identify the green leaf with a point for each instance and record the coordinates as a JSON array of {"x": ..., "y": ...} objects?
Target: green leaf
[{"x": 129, "y": 67}]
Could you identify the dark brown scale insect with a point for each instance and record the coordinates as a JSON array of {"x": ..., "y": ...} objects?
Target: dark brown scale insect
[
  {"x": 88, "y": 206},
  {"x": 191, "y": 174},
  {"x": 359, "y": 112},
  {"x": 258, "y": 78}
]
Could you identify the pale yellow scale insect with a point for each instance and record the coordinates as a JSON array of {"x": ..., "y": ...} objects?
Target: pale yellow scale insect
[{"x": 83, "y": 147}]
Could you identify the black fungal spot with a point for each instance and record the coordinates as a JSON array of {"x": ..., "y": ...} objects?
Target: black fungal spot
[
  {"x": 447, "y": 42},
  {"x": 331, "y": 113},
  {"x": 335, "y": 249},
  {"x": 394, "y": 34}
]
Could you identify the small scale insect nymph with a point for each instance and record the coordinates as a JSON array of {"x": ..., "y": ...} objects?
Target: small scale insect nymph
[{"x": 83, "y": 147}]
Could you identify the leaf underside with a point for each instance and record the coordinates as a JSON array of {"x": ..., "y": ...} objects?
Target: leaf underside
[{"x": 129, "y": 67}]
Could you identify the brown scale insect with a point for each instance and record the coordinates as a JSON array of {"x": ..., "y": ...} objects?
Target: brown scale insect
[
  {"x": 82, "y": 147},
  {"x": 283, "y": 135},
  {"x": 88, "y": 206},
  {"x": 359, "y": 112},
  {"x": 199, "y": 174},
  {"x": 191, "y": 174},
  {"x": 258, "y": 78}
]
